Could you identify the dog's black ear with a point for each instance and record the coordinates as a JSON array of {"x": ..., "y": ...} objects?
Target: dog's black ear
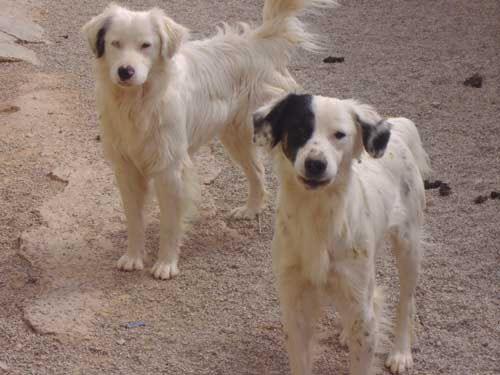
[
  {"x": 267, "y": 124},
  {"x": 374, "y": 131},
  {"x": 270, "y": 121},
  {"x": 95, "y": 29}
]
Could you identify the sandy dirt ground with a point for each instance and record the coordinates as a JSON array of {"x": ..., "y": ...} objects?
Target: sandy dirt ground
[{"x": 63, "y": 305}]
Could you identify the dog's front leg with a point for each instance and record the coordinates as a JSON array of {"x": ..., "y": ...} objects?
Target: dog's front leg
[
  {"x": 300, "y": 309},
  {"x": 360, "y": 308},
  {"x": 133, "y": 187},
  {"x": 171, "y": 192}
]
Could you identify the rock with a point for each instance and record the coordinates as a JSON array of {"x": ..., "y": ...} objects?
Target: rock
[
  {"x": 4, "y": 366},
  {"x": 432, "y": 184},
  {"x": 333, "y": 59},
  {"x": 480, "y": 199},
  {"x": 59, "y": 175},
  {"x": 7, "y": 38},
  {"x": 8, "y": 108},
  {"x": 15, "y": 53},
  {"x": 475, "y": 80},
  {"x": 444, "y": 189},
  {"x": 436, "y": 105},
  {"x": 120, "y": 341},
  {"x": 66, "y": 310},
  {"x": 23, "y": 30}
]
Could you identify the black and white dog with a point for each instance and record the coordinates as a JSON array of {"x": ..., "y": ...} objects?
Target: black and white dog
[{"x": 348, "y": 178}]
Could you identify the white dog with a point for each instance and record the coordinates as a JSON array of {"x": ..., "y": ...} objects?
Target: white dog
[
  {"x": 161, "y": 97},
  {"x": 336, "y": 204}
]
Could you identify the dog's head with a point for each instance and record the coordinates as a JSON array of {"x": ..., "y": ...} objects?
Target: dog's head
[
  {"x": 320, "y": 136},
  {"x": 129, "y": 44}
]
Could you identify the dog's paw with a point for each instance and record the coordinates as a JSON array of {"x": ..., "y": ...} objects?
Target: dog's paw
[
  {"x": 244, "y": 213},
  {"x": 128, "y": 263},
  {"x": 165, "y": 270},
  {"x": 397, "y": 362}
]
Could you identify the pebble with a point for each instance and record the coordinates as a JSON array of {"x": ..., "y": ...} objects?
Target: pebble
[
  {"x": 120, "y": 341},
  {"x": 333, "y": 59},
  {"x": 475, "y": 80},
  {"x": 4, "y": 366}
]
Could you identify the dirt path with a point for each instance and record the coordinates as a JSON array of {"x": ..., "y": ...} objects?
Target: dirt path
[{"x": 64, "y": 307}]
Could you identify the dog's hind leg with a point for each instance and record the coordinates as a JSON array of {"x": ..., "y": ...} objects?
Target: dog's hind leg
[
  {"x": 133, "y": 188},
  {"x": 238, "y": 141},
  {"x": 406, "y": 246}
]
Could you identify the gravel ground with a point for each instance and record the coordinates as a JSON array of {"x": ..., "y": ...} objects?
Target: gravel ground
[{"x": 63, "y": 306}]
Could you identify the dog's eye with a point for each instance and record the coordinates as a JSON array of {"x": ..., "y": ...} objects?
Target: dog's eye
[
  {"x": 116, "y": 43},
  {"x": 145, "y": 45},
  {"x": 339, "y": 135}
]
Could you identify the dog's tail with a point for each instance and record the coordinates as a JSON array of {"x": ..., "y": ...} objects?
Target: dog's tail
[
  {"x": 280, "y": 21},
  {"x": 407, "y": 130}
]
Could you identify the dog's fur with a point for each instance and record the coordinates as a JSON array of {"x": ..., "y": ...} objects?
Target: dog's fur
[
  {"x": 161, "y": 97},
  {"x": 347, "y": 179}
]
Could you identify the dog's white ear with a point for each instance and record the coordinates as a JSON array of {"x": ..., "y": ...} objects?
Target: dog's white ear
[
  {"x": 172, "y": 34},
  {"x": 373, "y": 130},
  {"x": 95, "y": 29}
]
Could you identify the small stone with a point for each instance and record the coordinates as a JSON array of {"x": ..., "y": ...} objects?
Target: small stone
[
  {"x": 495, "y": 195},
  {"x": 98, "y": 138},
  {"x": 8, "y": 108},
  {"x": 15, "y": 53},
  {"x": 120, "y": 341},
  {"x": 475, "y": 80},
  {"x": 333, "y": 59},
  {"x": 23, "y": 30},
  {"x": 4, "y": 366},
  {"x": 444, "y": 189},
  {"x": 54, "y": 176},
  {"x": 436, "y": 104},
  {"x": 432, "y": 184},
  {"x": 480, "y": 199}
]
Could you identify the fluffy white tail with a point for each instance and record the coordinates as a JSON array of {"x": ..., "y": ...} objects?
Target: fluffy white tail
[
  {"x": 280, "y": 20},
  {"x": 408, "y": 131}
]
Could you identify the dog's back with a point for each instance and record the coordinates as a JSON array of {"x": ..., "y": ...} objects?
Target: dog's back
[{"x": 395, "y": 181}]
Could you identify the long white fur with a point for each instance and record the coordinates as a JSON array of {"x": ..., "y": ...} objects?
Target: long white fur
[
  {"x": 183, "y": 94},
  {"x": 326, "y": 239}
]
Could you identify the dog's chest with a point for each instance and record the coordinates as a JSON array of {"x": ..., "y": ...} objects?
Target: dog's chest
[
  {"x": 133, "y": 134},
  {"x": 311, "y": 238}
]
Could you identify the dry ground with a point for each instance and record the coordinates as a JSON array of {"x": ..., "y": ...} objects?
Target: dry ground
[{"x": 63, "y": 305}]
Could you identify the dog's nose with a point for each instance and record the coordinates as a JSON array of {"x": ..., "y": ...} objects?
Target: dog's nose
[
  {"x": 315, "y": 167},
  {"x": 125, "y": 72}
]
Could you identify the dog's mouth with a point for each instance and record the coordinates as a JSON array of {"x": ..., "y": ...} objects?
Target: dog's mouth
[
  {"x": 313, "y": 184},
  {"x": 125, "y": 83}
]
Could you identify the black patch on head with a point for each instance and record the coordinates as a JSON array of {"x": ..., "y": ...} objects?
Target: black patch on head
[
  {"x": 100, "y": 42},
  {"x": 291, "y": 122}
]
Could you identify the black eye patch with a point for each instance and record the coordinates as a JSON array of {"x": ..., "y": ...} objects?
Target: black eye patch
[{"x": 292, "y": 123}]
